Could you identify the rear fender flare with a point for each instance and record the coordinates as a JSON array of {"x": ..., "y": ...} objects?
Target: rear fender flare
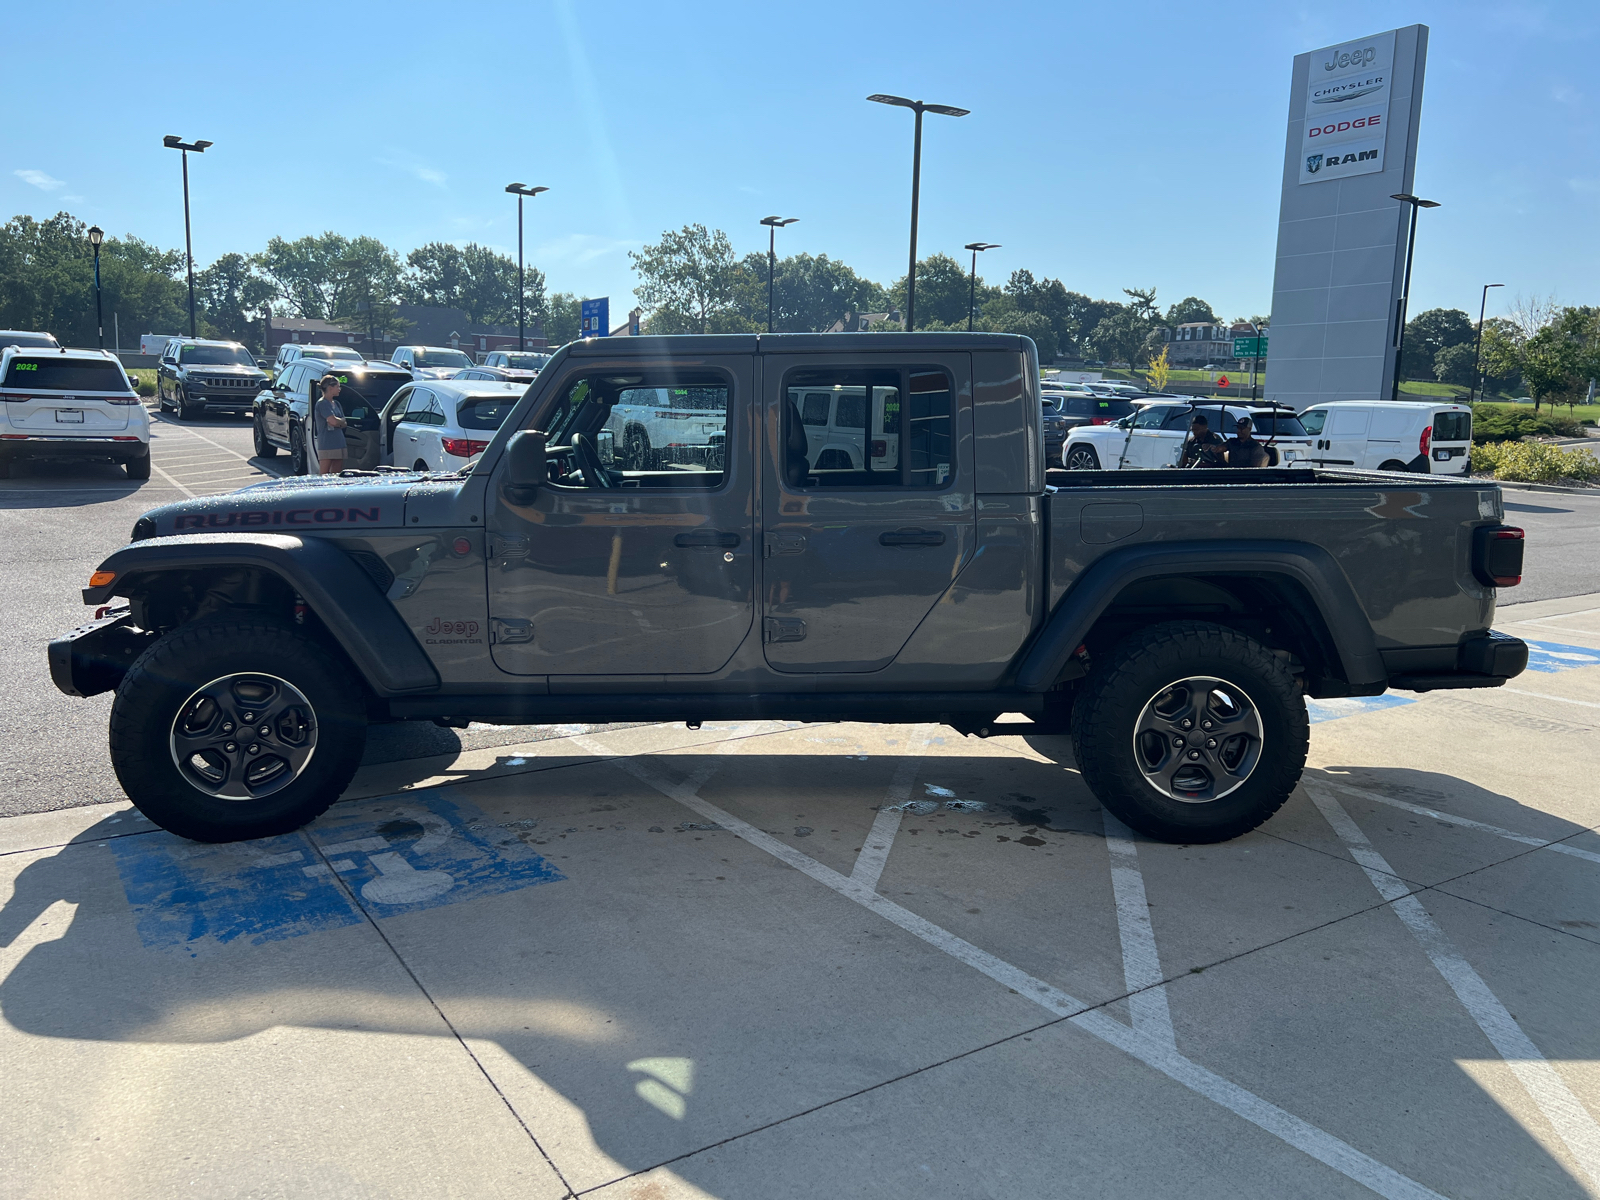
[
  {"x": 1312, "y": 567},
  {"x": 342, "y": 595}
]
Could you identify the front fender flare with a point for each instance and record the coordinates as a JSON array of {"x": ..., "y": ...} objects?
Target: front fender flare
[
  {"x": 1312, "y": 567},
  {"x": 341, "y": 594}
]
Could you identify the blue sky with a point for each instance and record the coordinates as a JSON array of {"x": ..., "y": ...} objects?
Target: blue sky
[{"x": 1109, "y": 145}]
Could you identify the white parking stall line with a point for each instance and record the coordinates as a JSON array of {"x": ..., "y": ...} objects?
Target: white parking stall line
[
  {"x": 1467, "y": 823},
  {"x": 1547, "y": 696},
  {"x": 874, "y": 852},
  {"x": 1152, "y": 1051},
  {"x": 1572, "y": 1122},
  {"x": 159, "y": 470},
  {"x": 1141, "y": 963}
]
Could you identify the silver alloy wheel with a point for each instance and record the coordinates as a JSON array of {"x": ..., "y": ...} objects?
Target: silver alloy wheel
[
  {"x": 1083, "y": 458},
  {"x": 1198, "y": 739},
  {"x": 243, "y": 737}
]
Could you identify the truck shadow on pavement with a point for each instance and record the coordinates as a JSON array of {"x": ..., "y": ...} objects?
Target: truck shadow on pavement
[{"x": 592, "y": 937}]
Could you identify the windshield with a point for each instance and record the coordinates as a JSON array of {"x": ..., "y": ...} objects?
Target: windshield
[
  {"x": 28, "y": 341},
  {"x": 215, "y": 356},
  {"x": 66, "y": 375},
  {"x": 486, "y": 412},
  {"x": 526, "y": 362},
  {"x": 441, "y": 358}
]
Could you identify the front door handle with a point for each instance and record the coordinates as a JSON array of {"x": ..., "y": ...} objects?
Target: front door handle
[
  {"x": 912, "y": 537},
  {"x": 714, "y": 539}
]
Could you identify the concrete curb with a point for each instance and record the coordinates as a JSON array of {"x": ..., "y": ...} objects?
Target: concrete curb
[{"x": 1542, "y": 487}]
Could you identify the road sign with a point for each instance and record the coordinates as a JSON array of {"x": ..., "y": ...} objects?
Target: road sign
[
  {"x": 596, "y": 316},
  {"x": 1250, "y": 347},
  {"x": 1222, "y": 381}
]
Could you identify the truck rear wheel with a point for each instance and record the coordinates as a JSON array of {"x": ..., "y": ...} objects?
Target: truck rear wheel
[
  {"x": 233, "y": 729},
  {"x": 1191, "y": 733}
]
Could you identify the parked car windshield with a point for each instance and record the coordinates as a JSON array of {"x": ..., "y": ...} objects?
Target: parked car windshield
[
  {"x": 28, "y": 341},
  {"x": 215, "y": 356},
  {"x": 364, "y": 393},
  {"x": 485, "y": 412},
  {"x": 441, "y": 358},
  {"x": 66, "y": 375}
]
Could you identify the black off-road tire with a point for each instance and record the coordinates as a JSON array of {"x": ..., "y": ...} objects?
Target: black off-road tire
[
  {"x": 138, "y": 468},
  {"x": 298, "y": 463},
  {"x": 164, "y": 680},
  {"x": 1125, "y": 688},
  {"x": 1081, "y": 458}
]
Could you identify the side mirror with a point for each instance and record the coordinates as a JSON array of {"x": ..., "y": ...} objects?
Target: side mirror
[{"x": 525, "y": 467}]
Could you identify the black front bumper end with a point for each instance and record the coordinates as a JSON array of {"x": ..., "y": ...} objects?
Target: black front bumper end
[
  {"x": 1487, "y": 660},
  {"x": 93, "y": 658}
]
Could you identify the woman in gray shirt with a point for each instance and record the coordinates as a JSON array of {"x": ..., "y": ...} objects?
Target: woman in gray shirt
[{"x": 327, "y": 427}]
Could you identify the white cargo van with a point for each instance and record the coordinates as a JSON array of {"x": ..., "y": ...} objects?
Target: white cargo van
[{"x": 1424, "y": 437}]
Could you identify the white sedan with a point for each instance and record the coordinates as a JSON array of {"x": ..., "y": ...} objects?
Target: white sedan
[
  {"x": 440, "y": 424},
  {"x": 1153, "y": 437}
]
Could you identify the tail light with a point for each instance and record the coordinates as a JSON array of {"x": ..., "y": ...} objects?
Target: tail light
[
  {"x": 1497, "y": 555},
  {"x": 463, "y": 447},
  {"x": 1101, "y": 420},
  {"x": 1425, "y": 441}
]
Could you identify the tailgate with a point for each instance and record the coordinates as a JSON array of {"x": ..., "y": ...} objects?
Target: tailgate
[{"x": 66, "y": 416}]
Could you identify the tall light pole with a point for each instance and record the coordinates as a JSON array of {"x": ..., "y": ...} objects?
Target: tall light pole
[
  {"x": 1405, "y": 288},
  {"x": 519, "y": 190},
  {"x": 972, "y": 283},
  {"x": 173, "y": 142},
  {"x": 918, "y": 107},
  {"x": 773, "y": 224},
  {"x": 1477, "y": 347},
  {"x": 96, "y": 236}
]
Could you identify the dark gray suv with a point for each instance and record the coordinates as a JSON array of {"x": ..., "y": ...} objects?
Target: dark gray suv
[{"x": 197, "y": 376}]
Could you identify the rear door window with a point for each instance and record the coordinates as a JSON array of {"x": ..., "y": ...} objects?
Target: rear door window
[
  {"x": 485, "y": 412},
  {"x": 891, "y": 427},
  {"x": 1452, "y": 427}
]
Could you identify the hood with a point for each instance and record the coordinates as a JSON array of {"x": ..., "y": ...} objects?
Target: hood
[
  {"x": 436, "y": 372},
  {"x": 224, "y": 369},
  {"x": 314, "y": 504}
]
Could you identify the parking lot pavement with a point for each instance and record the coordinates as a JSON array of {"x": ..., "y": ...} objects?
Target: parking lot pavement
[
  {"x": 1563, "y": 553},
  {"x": 774, "y": 960}
]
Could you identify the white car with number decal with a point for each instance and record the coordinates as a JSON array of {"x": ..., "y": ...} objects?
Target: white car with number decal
[{"x": 77, "y": 405}]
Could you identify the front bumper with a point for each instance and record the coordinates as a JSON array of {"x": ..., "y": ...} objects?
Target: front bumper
[
  {"x": 1487, "y": 660},
  {"x": 119, "y": 449},
  {"x": 93, "y": 658}
]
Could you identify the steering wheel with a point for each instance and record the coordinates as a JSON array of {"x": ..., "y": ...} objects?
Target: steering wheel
[{"x": 589, "y": 461}]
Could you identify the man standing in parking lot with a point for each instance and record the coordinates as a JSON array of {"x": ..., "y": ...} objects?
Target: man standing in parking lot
[
  {"x": 1202, "y": 448},
  {"x": 327, "y": 428}
]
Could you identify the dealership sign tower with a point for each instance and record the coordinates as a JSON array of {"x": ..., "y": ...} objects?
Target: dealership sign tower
[{"x": 1352, "y": 147}]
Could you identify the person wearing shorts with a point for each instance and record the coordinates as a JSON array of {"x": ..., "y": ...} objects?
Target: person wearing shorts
[{"x": 327, "y": 427}]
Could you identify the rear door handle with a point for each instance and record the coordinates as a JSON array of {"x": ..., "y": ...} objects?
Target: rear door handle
[
  {"x": 709, "y": 538},
  {"x": 912, "y": 537}
]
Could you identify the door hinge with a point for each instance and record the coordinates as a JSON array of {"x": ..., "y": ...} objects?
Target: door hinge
[
  {"x": 783, "y": 629},
  {"x": 510, "y": 631},
  {"x": 782, "y": 543}
]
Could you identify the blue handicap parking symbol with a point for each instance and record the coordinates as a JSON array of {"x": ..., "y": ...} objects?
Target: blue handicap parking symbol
[
  {"x": 1553, "y": 656},
  {"x": 1352, "y": 706},
  {"x": 394, "y": 855}
]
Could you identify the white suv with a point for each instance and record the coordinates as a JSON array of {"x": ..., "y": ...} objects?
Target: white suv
[
  {"x": 440, "y": 425},
  {"x": 70, "y": 404},
  {"x": 1153, "y": 437}
]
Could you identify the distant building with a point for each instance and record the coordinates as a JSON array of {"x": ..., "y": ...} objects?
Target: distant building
[{"x": 1197, "y": 343}]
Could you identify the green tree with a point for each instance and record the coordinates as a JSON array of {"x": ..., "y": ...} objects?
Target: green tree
[
  {"x": 326, "y": 276},
  {"x": 810, "y": 292},
  {"x": 941, "y": 293},
  {"x": 1188, "y": 310},
  {"x": 690, "y": 282},
  {"x": 1453, "y": 364},
  {"x": 1120, "y": 338},
  {"x": 564, "y": 319},
  {"x": 234, "y": 297},
  {"x": 479, "y": 281},
  {"x": 1430, "y": 332}
]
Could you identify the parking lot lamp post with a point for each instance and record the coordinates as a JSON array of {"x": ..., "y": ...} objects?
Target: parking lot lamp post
[
  {"x": 1405, "y": 288},
  {"x": 173, "y": 142},
  {"x": 96, "y": 236},
  {"x": 519, "y": 190},
  {"x": 773, "y": 224},
  {"x": 1477, "y": 347},
  {"x": 918, "y": 107},
  {"x": 972, "y": 283}
]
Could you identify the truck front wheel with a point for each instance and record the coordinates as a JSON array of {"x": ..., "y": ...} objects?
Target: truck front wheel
[
  {"x": 1191, "y": 733},
  {"x": 233, "y": 729}
]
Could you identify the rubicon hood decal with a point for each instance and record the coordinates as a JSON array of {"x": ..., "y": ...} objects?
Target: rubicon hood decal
[{"x": 290, "y": 505}]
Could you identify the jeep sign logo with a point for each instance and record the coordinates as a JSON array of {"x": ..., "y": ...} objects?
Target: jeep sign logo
[
  {"x": 1352, "y": 60},
  {"x": 1346, "y": 109}
]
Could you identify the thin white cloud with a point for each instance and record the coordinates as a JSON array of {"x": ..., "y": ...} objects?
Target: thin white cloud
[
  {"x": 73, "y": 199},
  {"x": 425, "y": 173},
  {"x": 429, "y": 175},
  {"x": 580, "y": 248},
  {"x": 1584, "y": 185},
  {"x": 1563, "y": 94},
  {"x": 39, "y": 179}
]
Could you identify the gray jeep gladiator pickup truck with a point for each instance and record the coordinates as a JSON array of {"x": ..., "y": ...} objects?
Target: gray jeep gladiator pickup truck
[{"x": 879, "y": 540}]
